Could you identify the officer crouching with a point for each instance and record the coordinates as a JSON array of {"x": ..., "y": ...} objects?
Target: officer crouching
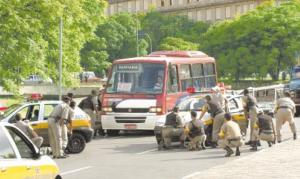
[
  {"x": 230, "y": 136},
  {"x": 266, "y": 130},
  {"x": 173, "y": 128},
  {"x": 195, "y": 133}
]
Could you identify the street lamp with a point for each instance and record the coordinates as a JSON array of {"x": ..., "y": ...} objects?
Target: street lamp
[{"x": 142, "y": 33}]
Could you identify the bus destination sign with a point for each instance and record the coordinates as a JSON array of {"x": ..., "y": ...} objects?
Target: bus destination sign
[{"x": 128, "y": 67}]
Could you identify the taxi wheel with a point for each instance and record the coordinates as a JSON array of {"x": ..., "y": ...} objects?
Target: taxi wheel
[
  {"x": 76, "y": 143},
  {"x": 58, "y": 177}
]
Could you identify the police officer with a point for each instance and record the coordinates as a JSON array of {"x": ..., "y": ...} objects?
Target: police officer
[
  {"x": 195, "y": 132},
  {"x": 68, "y": 127},
  {"x": 250, "y": 105},
  {"x": 89, "y": 106},
  {"x": 217, "y": 113},
  {"x": 27, "y": 129},
  {"x": 230, "y": 136},
  {"x": 218, "y": 97},
  {"x": 284, "y": 111},
  {"x": 265, "y": 130},
  {"x": 173, "y": 127},
  {"x": 56, "y": 122}
]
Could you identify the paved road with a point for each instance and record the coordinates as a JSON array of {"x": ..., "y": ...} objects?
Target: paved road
[{"x": 136, "y": 156}]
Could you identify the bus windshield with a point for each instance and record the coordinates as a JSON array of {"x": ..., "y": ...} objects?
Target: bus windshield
[{"x": 137, "y": 78}]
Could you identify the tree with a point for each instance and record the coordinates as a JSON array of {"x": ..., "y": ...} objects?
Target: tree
[
  {"x": 115, "y": 39},
  {"x": 260, "y": 42},
  {"x": 160, "y": 26},
  {"x": 172, "y": 43},
  {"x": 29, "y": 37}
]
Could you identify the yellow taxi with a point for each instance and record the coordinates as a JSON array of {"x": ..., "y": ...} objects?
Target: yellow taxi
[
  {"x": 196, "y": 102},
  {"x": 37, "y": 114},
  {"x": 20, "y": 158}
]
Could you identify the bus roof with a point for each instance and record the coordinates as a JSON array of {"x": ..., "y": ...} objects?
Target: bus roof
[{"x": 178, "y": 57}]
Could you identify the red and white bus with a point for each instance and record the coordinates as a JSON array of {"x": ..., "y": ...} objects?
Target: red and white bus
[{"x": 142, "y": 90}]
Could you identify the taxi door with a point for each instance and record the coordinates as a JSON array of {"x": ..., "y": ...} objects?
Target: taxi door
[
  {"x": 11, "y": 163},
  {"x": 237, "y": 112}
]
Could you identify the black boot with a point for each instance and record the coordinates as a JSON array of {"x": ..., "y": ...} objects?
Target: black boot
[
  {"x": 270, "y": 144},
  {"x": 258, "y": 143},
  {"x": 254, "y": 146},
  {"x": 295, "y": 136},
  {"x": 229, "y": 151},
  {"x": 237, "y": 152}
]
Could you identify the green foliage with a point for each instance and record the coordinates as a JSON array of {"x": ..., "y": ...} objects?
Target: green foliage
[
  {"x": 160, "y": 26},
  {"x": 172, "y": 43},
  {"x": 114, "y": 39},
  {"x": 29, "y": 37},
  {"x": 260, "y": 42}
]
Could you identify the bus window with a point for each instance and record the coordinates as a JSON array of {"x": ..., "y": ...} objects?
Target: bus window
[
  {"x": 210, "y": 75},
  {"x": 172, "y": 79},
  {"x": 198, "y": 78},
  {"x": 185, "y": 76}
]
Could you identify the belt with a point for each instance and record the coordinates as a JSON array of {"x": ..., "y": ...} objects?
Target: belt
[
  {"x": 218, "y": 113},
  {"x": 231, "y": 140}
]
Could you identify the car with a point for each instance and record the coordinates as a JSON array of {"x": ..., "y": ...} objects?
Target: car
[
  {"x": 89, "y": 76},
  {"x": 82, "y": 131},
  {"x": 37, "y": 79},
  {"x": 195, "y": 102},
  {"x": 2, "y": 107},
  {"x": 20, "y": 158}
]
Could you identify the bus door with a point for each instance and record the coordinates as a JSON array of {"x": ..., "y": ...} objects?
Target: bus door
[{"x": 172, "y": 87}]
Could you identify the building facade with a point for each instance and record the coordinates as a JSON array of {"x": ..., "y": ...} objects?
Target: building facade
[{"x": 199, "y": 10}]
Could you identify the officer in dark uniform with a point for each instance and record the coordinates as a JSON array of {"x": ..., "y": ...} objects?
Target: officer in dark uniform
[
  {"x": 266, "y": 130},
  {"x": 173, "y": 127}
]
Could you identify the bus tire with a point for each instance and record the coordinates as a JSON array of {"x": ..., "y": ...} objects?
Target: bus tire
[{"x": 112, "y": 132}]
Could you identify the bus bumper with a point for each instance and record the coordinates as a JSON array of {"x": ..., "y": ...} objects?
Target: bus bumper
[{"x": 130, "y": 121}]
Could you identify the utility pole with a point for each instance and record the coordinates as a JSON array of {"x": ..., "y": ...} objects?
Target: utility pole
[
  {"x": 137, "y": 35},
  {"x": 60, "y": 57}
]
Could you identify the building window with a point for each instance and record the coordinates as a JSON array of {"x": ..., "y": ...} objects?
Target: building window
[
  {"x": 162, "y": 3},
  {"x": 189, "y": 1},
  {"x": 111, "y": 9},
  {"x": 208, "y": 15},
  {"x": 199, "y": 15},
  {"x": 145, "y": 4},
  {"x": 228, "y": 12},
  {"x": 218, "y": 13},
  {"x": 171, "y": 2},
  {"x": 252, "y": 6},
  {"x": 180, "y": 2},
  {"x": 190, "y": 15},
  {"x": 239, "y": 9},
  {"x": 138, "y": 6},
  {"x": 246, "y": 8}
]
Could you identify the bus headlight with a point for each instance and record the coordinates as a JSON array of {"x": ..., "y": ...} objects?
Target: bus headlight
[
  {"x": 155, "y": 109},
  {"x": 107, "y": 109}
]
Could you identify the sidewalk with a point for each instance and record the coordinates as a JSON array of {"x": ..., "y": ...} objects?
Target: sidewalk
[{"x": 280, "y": 161}]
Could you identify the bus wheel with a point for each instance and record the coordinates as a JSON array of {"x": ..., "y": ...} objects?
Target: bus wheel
[
  {"x": 297, "y": 114},
  {"x": 112, "y": 132}
]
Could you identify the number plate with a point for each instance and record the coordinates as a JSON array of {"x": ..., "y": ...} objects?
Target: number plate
[{"x": 130, "y": 126}]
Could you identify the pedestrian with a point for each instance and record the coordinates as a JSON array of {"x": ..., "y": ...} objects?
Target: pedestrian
[
  {"x": 173, "y": 127},
  {"x": 89, "y": 106},
  {"x": 284, "y": 112},
  {"x": 250, "y": 106},
  {"x": 28, "y": 130},
  {"x": 218, "y": 97},
  {"x": 98, "y": 125},
  {"x": 217, "y": 113},
  {"x": 55, "y": 124},
  {"x": 266, "y": 130},
  {"x": 195, "y": 133},
  {"x": 230, "y": 136}
]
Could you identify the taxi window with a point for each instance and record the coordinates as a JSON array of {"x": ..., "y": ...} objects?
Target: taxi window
[
  {"x": 23, "y": 147},
  {"x": 232, "y": 104},
  {"x": 6, "y": 151},
  {"x": 48, "y": 108}
]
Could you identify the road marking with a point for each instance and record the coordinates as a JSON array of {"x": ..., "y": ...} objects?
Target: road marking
[
  {"x": 191, "y": 175},
  {"x": 76, "y": 170},
  {"x": 147, "y": 151}
]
